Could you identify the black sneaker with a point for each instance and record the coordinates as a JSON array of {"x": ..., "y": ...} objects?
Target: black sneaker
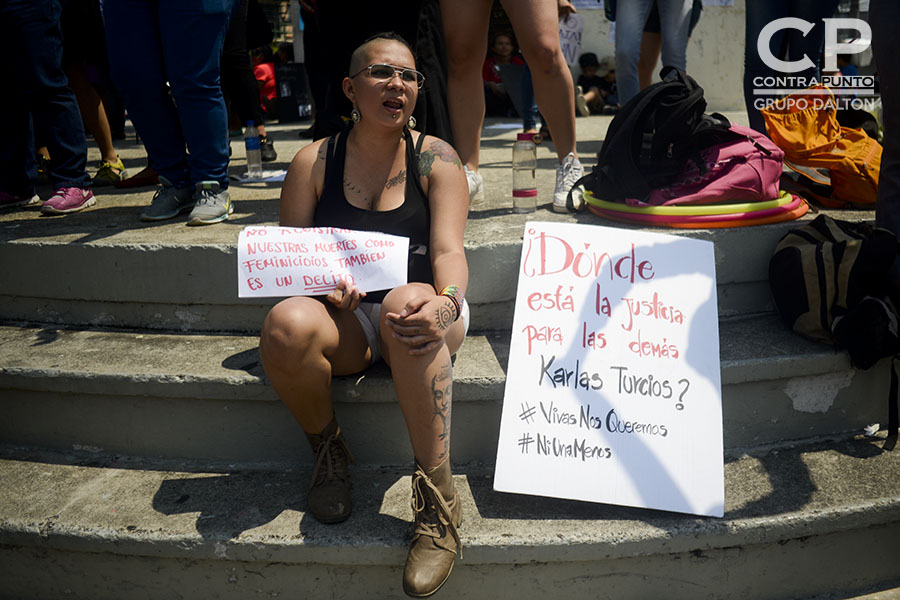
[{"x": 267, "y": 149}]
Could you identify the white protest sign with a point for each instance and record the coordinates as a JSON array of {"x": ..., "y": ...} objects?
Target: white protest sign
[
  {"x": 571, "y": 28},
  {"x": 613, "y": 389},
  {"x": 289, "y": 261}
]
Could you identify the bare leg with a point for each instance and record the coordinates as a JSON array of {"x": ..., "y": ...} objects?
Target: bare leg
[
  {"x": 303, "y": 344},
  {"x": 651, "y": 46},
  {"x": 537, "y": 29},
  {"x": 466, "y": 32},
  {"x": 92, "y": 111},
  {"x": 424, "y": 384}
]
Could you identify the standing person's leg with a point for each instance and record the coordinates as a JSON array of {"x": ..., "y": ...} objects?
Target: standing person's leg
[
  {"x": 537, "y": 29},
  {"x": 529, "y": 105},
  {"x": 813, "y": 43},
  {"x": 674, "y": 21},
  {"x": 883, "y": 18},
  {"x": 631, "y": 17},
  {"x": 759, "y": 14},
  {"x": 84, "y": 45},
  {"x": 192, "y": 34},
  {"x": 651, "y": 46},
  {"x": 18, "y": 167},
  {"x": 466, "y": 33},
  {"x": 136, "y": 67},
  {"x": 93, "y": 114},
  {"x": 238, "y": 82},
  {"x": 35, "y": 34}
]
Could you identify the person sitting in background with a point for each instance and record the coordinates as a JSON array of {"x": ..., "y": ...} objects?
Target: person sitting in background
[
  {"x": 596, "y": 92},
  {"x": 496, "y": 98},
  {"x": 264, "y": 71},
  {"x": 377, "y": 175}
]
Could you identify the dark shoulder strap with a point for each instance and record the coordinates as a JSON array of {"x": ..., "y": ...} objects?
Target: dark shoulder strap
[
  {"x": 414, "y": 184},
  {"x": 334, "y": 161},
  {"x": 419, "y": 143}
]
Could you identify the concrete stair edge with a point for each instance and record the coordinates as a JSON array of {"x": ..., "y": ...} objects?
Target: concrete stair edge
[{"x": 841, "y": 489}]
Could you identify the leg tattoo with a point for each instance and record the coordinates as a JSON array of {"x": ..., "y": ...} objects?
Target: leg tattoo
[{"x": 441, "y": 396}]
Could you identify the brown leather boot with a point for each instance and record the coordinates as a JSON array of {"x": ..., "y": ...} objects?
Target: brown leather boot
[
  {"x": 435, "y": 542},
  {"x": 329, "y": 490}
]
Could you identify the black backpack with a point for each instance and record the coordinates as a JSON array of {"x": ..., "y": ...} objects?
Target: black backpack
[
  {"x": 829, "y": 280},
  {"x": 651, "y": 138}
]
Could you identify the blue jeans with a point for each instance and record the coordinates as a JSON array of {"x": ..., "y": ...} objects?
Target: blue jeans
[
  {"x": 152, "y": 42},
  {"x": 37, "y": 100},
  {"x": 530, "y": 112},
  {"x": 787, "y": 44},
  {"x": 631, "y": 15}
]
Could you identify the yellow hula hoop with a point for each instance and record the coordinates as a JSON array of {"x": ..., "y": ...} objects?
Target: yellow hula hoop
[{"x": 692, "y": 210}]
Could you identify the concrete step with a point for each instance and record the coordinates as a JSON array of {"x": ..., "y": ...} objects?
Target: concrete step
[
  {"x": 818, "y": 521},
  {"x": 205, "y": 397},
  {"x": 105, "y": 267},
  {"x": 168, "y": 277}
]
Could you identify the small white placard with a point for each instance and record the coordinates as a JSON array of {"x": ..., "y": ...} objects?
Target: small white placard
[
  {"x": 571, "y": 29},
  {"x": 289, "y": 261},
  {"x": 613, "y": 389}
]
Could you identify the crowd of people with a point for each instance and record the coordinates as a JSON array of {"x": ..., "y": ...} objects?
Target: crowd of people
[{"x": 405, "y": 161}]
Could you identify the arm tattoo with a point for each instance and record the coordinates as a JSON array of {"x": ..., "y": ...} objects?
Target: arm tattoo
[
  {"x": 425, "y": 161},
  {"x": 445, "y": 152},
  {"x": 444, "y": 316},
  {"x": 396, "y": 180},
  {"x": 441, "y": 397}
]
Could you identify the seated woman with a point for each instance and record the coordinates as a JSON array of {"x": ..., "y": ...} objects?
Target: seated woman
[{"x": 380, "y": 176}]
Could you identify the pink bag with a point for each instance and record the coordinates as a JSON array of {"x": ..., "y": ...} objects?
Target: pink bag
[{"x": 746, "y": 169}]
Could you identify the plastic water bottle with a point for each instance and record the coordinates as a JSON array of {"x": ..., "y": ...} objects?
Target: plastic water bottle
[
  {"x": 524, "y": 163},
  {"x": 254, "y": 158}
]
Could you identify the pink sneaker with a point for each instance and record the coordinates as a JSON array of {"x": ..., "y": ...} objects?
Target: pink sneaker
[
  {"x": 68, "y": 200},
  {"x": 8, "y": 200}
]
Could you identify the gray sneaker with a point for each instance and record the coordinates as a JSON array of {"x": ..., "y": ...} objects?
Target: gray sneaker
[
  {"x": 168, "y": 202},
  {"x": 213, "y": 205}
]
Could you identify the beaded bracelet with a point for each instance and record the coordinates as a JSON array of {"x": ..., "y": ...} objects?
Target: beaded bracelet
[{"x": 452, "y": 292}]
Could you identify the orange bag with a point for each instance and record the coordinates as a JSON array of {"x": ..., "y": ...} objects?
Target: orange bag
[{"x": 815, "y": 145}]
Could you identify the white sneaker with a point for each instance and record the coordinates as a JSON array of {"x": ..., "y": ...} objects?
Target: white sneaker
[
  {"x": 567, "y": 173},
  {"x": 476, "y": 186},
  {"x": 581, "y": 104}
]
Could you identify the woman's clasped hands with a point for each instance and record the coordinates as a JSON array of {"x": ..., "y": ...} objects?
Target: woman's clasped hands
[{"x": 423, "y": 323}]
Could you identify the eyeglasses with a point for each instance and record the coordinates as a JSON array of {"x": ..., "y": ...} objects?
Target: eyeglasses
[{"x": 381, "y": 72}]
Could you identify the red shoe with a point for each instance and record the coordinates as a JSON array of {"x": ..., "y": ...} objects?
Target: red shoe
[
  {"x": 68, "y": 200},
  {"x": 146, "y": 177}
]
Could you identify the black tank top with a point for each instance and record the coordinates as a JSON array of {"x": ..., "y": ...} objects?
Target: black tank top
[{"x": 411, "y": 219}]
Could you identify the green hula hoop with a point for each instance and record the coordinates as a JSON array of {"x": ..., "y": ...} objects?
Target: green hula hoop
[{"x": 691, "y": 210}]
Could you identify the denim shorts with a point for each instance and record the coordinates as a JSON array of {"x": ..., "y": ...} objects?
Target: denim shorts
[{"x": 368, "y": 314}]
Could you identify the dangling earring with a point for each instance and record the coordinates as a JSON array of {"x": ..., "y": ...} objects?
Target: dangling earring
[
  {"x": 412, "y": 122},
  {"x": 355, "y": 116}
]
